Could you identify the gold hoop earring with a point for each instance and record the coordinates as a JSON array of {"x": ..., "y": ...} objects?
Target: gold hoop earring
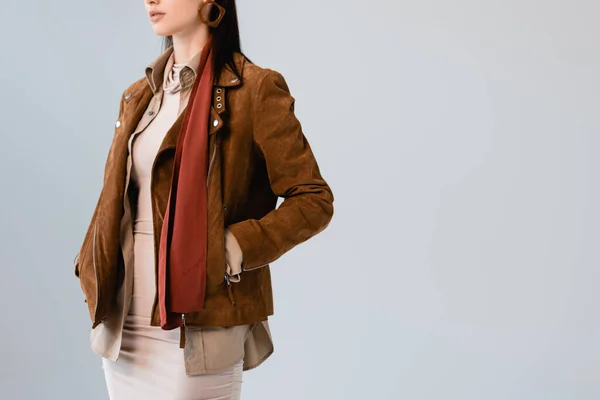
[{"x": 217, "y": 21}]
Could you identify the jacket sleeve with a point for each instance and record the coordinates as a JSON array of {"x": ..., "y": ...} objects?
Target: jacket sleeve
[
  {"x": 87, "y": 234},
  {"x": 91, "y": 223},
  {"x": 293, "y": 174}
]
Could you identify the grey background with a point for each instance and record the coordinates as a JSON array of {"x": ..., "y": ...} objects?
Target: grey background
[{"x": 460, "y": 140}]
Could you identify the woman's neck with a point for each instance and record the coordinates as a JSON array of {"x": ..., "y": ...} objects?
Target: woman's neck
[{"x": 185, "y": 46}]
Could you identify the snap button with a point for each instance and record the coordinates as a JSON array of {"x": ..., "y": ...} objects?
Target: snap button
[
  {"x": 118, "y": 124},
  {"x": 215, "y": 122},
  {"x": 127, "y": 96},
  {"x": 234, "y": 80},
  {"x": 150, "y": 112}
]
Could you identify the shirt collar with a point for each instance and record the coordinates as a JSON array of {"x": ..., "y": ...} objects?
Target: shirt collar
[{"x": 155, "y": 72}]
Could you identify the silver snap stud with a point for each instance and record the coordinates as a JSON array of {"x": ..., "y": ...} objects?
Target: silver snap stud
[
  {"x": 118, "y": 123},
  {"x": 234, "y": 80},
  {"x": 150, "y": 112},
  {"x": 127, "y": 96},
  {"x": 215, "y": 122}
]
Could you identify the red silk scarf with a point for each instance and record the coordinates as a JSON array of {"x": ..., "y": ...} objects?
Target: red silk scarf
[{"x": 183, "y": 239}]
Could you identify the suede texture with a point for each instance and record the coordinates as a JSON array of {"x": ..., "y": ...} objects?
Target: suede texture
[{"x": 257, "y": 153}]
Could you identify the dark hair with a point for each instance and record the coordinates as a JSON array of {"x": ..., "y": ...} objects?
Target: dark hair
[{"x": 225, "y": 38}]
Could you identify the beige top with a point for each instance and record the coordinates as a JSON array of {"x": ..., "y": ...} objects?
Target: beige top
[{"x": 207, "y": 349}]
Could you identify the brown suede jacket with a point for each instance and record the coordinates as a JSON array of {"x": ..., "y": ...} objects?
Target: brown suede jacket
[{"x": 258, "y": 153}]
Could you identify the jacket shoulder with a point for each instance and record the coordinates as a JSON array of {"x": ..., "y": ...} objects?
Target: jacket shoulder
[
  {"x": 136, "y": 87},
  {"x": 255, "y": 75},
  {"x": 132, "y": 93}
]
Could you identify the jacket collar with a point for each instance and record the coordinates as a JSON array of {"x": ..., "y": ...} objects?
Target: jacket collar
[{"x": 155, "y": 71}]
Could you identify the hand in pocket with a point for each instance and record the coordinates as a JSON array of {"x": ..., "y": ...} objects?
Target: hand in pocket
[{"x": 233, "y": 257}]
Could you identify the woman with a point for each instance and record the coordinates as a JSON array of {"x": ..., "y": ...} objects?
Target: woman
[{"x": 175, "y": 262}]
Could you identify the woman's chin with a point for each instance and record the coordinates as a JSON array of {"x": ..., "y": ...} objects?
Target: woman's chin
[{"x": 161, "y": 31}]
